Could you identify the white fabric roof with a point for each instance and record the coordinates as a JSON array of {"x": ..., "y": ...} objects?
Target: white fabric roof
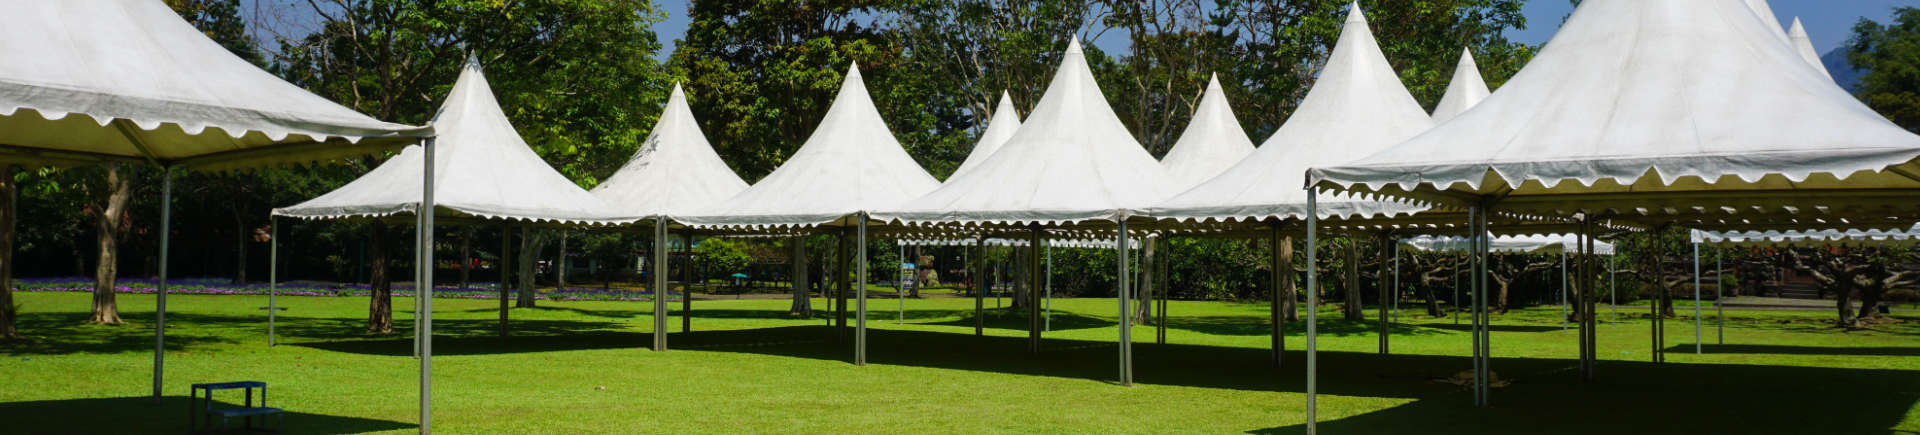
[
  {"x": 1646, "y": 103},
  {"x": 1764, "y": 11},
  {"x": 1809, "y": 238},
  {"x": 1212, "y": 142},
  {"x": 148, "y": 85},
  {"x": 1464, "y": 91},
  {"x": 1072, "y": 161},
  {"x": 1133, "y": 244},
  {"x": 1803, "y": 44},
  {"x": 675, "y": 171},
  {"x": 1005, "y": 121},
  {"x": 850, "y": 165},
  {"x": 1531, "y": 244},
  {"x": 481, "y": 168},
  {"x": 1357, "y": 107}
]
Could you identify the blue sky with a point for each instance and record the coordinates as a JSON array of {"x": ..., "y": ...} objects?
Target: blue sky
[{"x": 1828, "y": 22}]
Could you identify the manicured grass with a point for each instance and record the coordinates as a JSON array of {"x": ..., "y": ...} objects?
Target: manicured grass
[{"x": 582, "y": 366}]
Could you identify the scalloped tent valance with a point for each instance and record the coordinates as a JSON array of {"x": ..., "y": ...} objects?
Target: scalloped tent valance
[
  {"x": 128, "y": 80},
  {"x": 1684, "y": 111}
]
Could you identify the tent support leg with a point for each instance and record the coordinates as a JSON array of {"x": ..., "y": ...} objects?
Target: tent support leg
[
  {"x": 660, "y": 283},
  {"x": 505, "y": 264},
  {"x": 1126, "y": 313},
  {"x": 424, "y": 289},
  {"x": 1698, "y": 348},
  {"x": 273, "y": 275},
  {"x": 1033, "y": 307},
  {"x": 860, "y": 337},
  {"x": 1282, "y": 258},
  {"x": 980, "y": 280},
  {"x": 160, "y": 294},
  {"x": 1313, "y": 309}
]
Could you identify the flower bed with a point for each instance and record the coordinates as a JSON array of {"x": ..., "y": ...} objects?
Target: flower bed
[{"x": 223, "y": 286}]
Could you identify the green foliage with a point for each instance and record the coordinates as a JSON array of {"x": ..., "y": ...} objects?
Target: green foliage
[
  {"x": 1890, "y": 53},
  {"x": 721, "y": 256}
]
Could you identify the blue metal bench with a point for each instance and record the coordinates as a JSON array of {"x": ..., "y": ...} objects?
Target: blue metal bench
[{"x": 200, "y": 406}]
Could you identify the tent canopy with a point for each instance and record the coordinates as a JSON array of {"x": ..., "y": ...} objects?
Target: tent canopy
[
  {"x": 482, "y": 168},
  {"x": 1815, "y": 238},
  {"x": 1466, "y": 89},
  {"x": 1072, "y": 161},
  {"x": 1357, "y": 107},
  {"x": 1803, "y": 44},
  {"x": 1005, "y": 121},
  {"x": 150, "y": 87},
  {"x": 675, "y": 171},
  {"x": 850, "y": 165},
  {"x": 1529, "y": 244},
  {"x": 1212, "y": 142},
  {"x": 1676, "y": 111}
]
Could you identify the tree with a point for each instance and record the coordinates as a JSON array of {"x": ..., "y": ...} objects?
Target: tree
[
  {"x": 1891, "y": 84},
  {"x": 1505, "y": 269},
  {"x": 379, "y": 284},
  {"x": 9, "y": 214},
  {"x": 1427, "y": 270},
  {"x": 110, "y": 222},
  {"x": 1870, "y": 272}
]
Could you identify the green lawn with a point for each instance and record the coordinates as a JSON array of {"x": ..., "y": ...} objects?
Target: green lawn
[{"x": 577, "y": 367}]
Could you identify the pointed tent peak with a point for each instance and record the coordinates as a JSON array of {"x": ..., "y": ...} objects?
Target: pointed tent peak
[
  {"x": 1464, "y": 91},
  {"x": 677, "y": 93},
  {"x": 473, "y": 60},
  {"x": 1803, "y": 45},
  {"x": 1213, "y": 82},
  {"x": 1355, "y": 14},
  {"x": 1073, "y": 46},
  {"x": 1005, "y": 106},
  {"x": 1765, "y": 12}
]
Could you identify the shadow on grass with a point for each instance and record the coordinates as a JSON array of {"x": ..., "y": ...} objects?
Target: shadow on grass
[
  {"x": 69, "y": 333},
  {"x": 1016, "y": 320},
  {"x": 142, "y": 415},
  {"x": 1638, "y": 397},
  {"x": 1798, "y": 350}
]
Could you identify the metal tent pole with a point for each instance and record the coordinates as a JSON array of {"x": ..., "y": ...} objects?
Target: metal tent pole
[
  {"x": 860, "y": 336},
  {"x": 1563, "y": 288},
  {"x": 160, "y": 294},
  {"x": 1480, "y": 232},
  {"x": 1033, "y": 269},
  {"x": 900, "y": 288},
  {"x": 1473, "y": 259},
  {"x": 1696, "y": 300},
  {"x": 1719, "y": 309},
  {"x": 660, "y": 290},
  {"x": 1313, "y": 309},
  {"x": 1126, "y": 315},
  {"x": 1613, "y": 289},
  {"x": 273, "y": 274},
  {"x": 424, "y": 290},
  {"x": 1396, "y": 276},
  {"x": 505, "y": 265},
  {"x": 980, "y": 281},
  {"x": 1456, "y": 286},
  {"x": 1049, "y": 321}
]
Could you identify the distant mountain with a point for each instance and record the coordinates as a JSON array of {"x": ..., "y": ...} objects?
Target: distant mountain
[{"x": 1843, "y": 71}]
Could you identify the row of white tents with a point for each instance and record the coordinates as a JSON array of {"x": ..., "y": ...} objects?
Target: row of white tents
[{"x": 1638, "y": 114}]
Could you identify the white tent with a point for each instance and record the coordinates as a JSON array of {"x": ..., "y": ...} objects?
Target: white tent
[
  {"x": 1637, "y": 107},
  {"x": 1803, "y": 44},
  {"x": 675, "y": 171},
  {"x": 1661, "y": 111},
  {"x": 1356, "y": 108},
  {"x": 147, "y": 86},
  {"x": 1764, "y": 11},
  {"x": 152, "y": 88},
  {"x": 1005, "y": 121},
  {"x": 1464, "y": 91},
  {"x": 1073, "y": 161},
  {"x": 484, "y": 170},
  {"x": 1212, "y": 142},
  {"x": 850, "y": 166},
  {"x": 1529, "y": 244}
]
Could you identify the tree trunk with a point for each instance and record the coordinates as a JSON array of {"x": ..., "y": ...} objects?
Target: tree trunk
[
  {"x": 466, "y": 257},
  {"x": 9, "y": 197},
  {"x": 528, "y": 246},
  {"x": 560, "y": 264},
  {"x": 105, "y": 309},
  {"x": 380, "y": 309},
  {"x": 1844, "y": 301},
  {"x": 240, "y": 236},
  {"x": 802, "y": 302},
  {"x": 1870, "y": 302},
  {"x": 1500, "y": 306},
  {"x": 1289, "y": 290},
  {"x": 1355, "y": 312},
  {"x": 1149, "y": 257}
]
